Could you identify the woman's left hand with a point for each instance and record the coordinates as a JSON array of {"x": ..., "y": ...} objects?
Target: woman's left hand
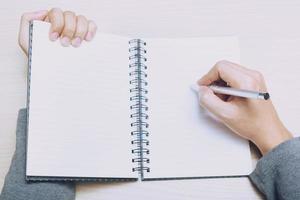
[{"x": 70, "y": 28}]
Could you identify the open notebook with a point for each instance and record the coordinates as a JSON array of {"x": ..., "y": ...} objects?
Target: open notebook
[{"x": 121, "y": 109}]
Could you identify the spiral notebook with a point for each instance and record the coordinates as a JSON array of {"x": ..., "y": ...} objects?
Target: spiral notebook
[{"x": 121, "y": 109}]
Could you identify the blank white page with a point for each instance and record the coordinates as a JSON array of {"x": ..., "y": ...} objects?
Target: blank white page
[
  {"x": 79, "y": 123},
  {"x": 184, "y": 140}
]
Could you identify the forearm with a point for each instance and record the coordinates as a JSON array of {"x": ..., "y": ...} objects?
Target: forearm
[
  {"x": 16, "y": 187},
  {"x": 277, "y": 173}
]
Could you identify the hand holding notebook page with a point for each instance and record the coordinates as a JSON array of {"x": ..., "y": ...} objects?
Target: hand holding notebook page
[{"x": 93, "y": 117}]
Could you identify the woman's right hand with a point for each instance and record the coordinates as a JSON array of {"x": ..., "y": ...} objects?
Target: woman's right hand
[{"x": 255, "y": 120}]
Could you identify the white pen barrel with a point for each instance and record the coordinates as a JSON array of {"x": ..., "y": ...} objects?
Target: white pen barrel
[{"x": 237, "y": 92}]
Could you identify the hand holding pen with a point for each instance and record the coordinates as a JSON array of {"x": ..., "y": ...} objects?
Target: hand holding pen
[{"x": 249, "y": 117}]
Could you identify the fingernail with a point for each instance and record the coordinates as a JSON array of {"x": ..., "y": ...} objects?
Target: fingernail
[
  {"x": 65, "y": 41},
  {"x": 54, "y": 36},
  {"x": 89, "y": 36},
  {"x": 76, "y": 42}
]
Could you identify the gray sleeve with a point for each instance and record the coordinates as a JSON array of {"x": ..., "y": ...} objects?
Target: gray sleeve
[
  {"x": 16, "y": 188},
  {"x": 277, "y": 174}
]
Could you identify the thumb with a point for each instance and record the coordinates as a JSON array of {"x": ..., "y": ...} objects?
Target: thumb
[
  {"x": 24, "y": 27},
  {"x": 223, "y": 110}
]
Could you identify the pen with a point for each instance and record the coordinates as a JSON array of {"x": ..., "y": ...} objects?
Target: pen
[{"x": 235, "y": 92}]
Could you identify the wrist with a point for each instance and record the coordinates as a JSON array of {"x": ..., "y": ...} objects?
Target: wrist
[{"x": 266, "y": 142}]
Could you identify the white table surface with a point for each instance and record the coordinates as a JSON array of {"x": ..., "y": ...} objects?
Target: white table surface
[{"x": 269, "y": 34}]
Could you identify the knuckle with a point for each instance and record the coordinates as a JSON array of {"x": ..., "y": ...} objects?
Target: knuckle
[
  {"x": 221, "y": 64},
  {"x": 69, "y": 13},
  {"x": 82, "y": 25},
  {"x": 258, "y": 75},
  {"x": 81, "y": 18},
  {"x": 56, "y": 19},
  {"x": 55, "y": 10}
]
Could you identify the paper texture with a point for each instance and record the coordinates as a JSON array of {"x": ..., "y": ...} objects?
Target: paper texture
[
  {"x": 79, "y": 121},
  {"x": 184, "y": 140}
]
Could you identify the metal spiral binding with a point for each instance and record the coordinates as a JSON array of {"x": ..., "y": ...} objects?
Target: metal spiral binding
[
  {"x": 29, "y": 68},
  {"x": 137, "y": 65}
]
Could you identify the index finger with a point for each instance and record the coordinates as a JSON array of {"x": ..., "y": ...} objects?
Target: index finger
[{"x": 56, "y": 19}]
